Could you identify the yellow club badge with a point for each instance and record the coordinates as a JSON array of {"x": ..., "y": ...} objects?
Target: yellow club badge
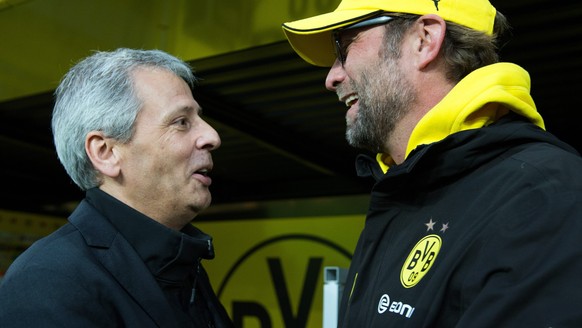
[{"x": 420, "y": 260}]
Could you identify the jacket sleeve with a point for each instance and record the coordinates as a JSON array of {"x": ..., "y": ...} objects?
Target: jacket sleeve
[{"x": 35, "y": 296}]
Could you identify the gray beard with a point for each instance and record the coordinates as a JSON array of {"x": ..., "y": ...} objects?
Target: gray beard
[{"x": 385, "y": 96}]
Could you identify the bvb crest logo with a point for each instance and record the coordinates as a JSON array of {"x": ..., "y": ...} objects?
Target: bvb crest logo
[{"x": 420, "y": 260}]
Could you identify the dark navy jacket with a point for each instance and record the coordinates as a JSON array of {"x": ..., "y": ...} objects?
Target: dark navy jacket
[{"x": 87, "y": 274}]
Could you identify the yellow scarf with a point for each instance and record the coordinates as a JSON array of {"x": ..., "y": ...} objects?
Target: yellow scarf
[{"x": 474, "y": 103}]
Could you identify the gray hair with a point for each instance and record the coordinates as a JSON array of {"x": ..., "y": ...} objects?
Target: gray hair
[{"x": 98, "y": 94}]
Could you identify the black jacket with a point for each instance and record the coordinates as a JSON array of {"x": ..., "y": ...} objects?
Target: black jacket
[
  {"x": 481, "y": 229},
  {"x": 110, "y": 266}
]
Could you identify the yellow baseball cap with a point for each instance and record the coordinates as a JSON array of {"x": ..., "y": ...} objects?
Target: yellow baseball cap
[{"x": 311, "y": 37}]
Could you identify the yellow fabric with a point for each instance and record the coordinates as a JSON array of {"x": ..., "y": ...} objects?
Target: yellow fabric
[
  {"x": 311, "y": 37},
  {"x": 474, "y": 103}
]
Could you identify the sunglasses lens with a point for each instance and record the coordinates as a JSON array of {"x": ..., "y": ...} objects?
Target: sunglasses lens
[{"x": 339, "y": 50}]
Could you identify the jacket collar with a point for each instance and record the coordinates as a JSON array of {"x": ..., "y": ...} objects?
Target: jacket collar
[
  {"x": 171, "y": 256},
  {"x": 478, "y": 100},
  {"x": 119, "y": 258},
  {"x": 456, "y": 155}
]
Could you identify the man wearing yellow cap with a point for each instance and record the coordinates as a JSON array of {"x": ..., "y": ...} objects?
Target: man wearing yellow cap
[{"x": 475, "y": 218}]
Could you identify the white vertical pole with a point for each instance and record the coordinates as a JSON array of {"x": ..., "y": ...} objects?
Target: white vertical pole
[{"x": 334, "y": 279}]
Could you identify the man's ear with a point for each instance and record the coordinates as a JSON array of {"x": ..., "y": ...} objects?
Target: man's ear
[
  {"x": 430, "y": 34},
  {"x": 102, "y": 154}
]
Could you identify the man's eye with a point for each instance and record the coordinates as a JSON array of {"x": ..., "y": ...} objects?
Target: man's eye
[
  {"x": 182, "y": 122},
  {"x": 345, "y": 43}
]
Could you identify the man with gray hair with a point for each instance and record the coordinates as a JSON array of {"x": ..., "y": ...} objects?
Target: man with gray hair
[{"x": 128, "y": 132}]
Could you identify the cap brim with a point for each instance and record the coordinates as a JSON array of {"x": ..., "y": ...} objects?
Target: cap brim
[{"x": 311, "y": 37}]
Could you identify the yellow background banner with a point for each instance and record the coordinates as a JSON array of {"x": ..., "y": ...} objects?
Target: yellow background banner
[{"x": 269, "y": 272}]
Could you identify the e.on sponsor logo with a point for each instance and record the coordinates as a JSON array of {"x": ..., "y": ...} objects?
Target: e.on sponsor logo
[{"x": 394, "y": 307}]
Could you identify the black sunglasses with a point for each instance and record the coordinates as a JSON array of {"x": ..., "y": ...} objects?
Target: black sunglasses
[{"x": 340, "y": 51}]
